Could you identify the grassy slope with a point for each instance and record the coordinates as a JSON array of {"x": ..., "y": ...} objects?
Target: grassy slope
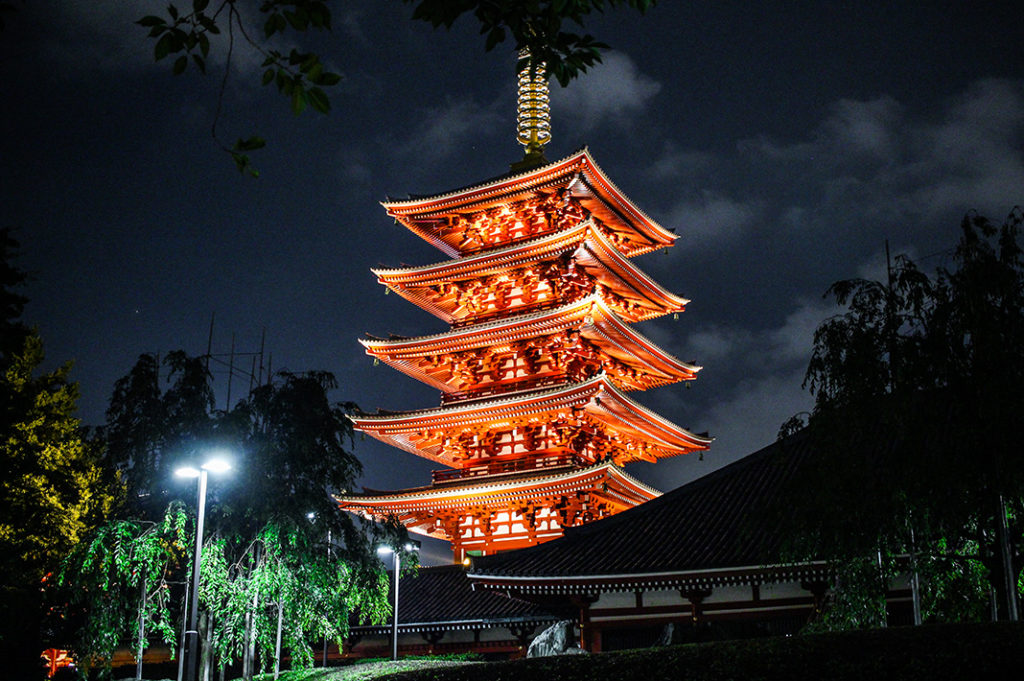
[
  {"x": 961, "y": 652},
  {"x": 361, "y": 672},
  {"x": 932, "y": 653}
]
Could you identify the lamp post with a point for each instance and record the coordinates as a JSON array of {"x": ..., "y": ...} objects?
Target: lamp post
[
  {"x": 191, "y": 639},
  {"x": 312, "y": 517},
  {"x": 382, "y": 551}
]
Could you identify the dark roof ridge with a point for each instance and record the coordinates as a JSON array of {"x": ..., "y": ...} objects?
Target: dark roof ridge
[
  {"x": 715, "y": 521},
  {"x": 669, "y": 497}
]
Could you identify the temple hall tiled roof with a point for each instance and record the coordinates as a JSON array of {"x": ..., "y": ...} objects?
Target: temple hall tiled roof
[
  {"x": 442, "y": 598},
  {"x": 719, "y": 521}
]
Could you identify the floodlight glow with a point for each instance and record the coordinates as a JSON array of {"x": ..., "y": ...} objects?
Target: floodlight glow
[
  {"x": 383, "y": 550},
  {"x": 217, "y": 465},
  {"x": 187, "y": 472}
]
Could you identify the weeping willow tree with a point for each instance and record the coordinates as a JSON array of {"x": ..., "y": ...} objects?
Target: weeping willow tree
[
  {"x": 119, "y": 582},
  {"x": 281, "y": 564},
  {"x": 916, "y": 427}
]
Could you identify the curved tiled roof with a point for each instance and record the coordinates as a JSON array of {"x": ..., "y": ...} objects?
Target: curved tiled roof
[
  {"x": 442, "y": 598},
  {"x": 578, "y": 169},
  {"x": 719, "y": 521}
]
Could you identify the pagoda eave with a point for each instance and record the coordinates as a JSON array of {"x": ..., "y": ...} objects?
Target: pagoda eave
[
  {"x": 578, "y": 173},
  {"x": 641, "y": 297},
  {"x": 416, "y": 507},
  {"x": 597, "y": 397},
  {"x": 596, "y": 322}
]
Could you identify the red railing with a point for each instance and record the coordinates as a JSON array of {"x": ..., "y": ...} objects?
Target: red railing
[
  {"x": 507, "y": 466},
  {"x": 502, "y": 387}
]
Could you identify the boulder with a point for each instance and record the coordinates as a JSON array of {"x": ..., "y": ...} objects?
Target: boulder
[{"x": 555, "y": 640}]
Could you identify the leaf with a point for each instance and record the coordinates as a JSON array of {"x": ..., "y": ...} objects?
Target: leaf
[
  {"x": 163, "y": 47},
  {"x": 150, "y": 20},
  {"x": 268, "y": 76},
  {"x": 251, "y": 144},
  {"x": 320, "y": 15},
  {"x": 298, "y": 19},
  {"x": 199, "y": 5},
  {"x": 270, "y": 26},
  {"x": 200, "y": 63},
  {"x": 318, "y": 100},
  {"x": 496, "y": 35},
  {"x": 180, "y": 64},
  {"x": 299, "y": 99},
  {"x": 284, "y": 83},
  {"x": 209, "y": 24}
]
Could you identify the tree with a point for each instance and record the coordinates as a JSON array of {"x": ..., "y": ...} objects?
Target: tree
[
  {"x": 127, "y": 568},
  {"x": 149, "y": 431},
  {"x": 272, "y": 577},
  {"x": 918, "y": 388},
  {"x": 53, "y": 487},
  {"x": 285, "y": 589},
  {"x": 536, "y": 28}
]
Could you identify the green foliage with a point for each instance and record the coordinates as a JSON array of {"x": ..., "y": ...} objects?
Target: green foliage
[
  {"x": 955, "y": 586},
  {"x": 537, "y": 27},
  {"x": 301, "y": 76},
  {"x": 285, "y": 567},
  {"x": 918, "y": 389},
  {"x": 53, "y": 488},
  {"x": 263, "y": 554},
  {"x": 858, "y": 599},
  {"x": 151, "y": 431},
  {"x": 121, "y": 573}
]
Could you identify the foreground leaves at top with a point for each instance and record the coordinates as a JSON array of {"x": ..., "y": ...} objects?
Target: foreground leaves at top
[{"x": 184, "y": 34}]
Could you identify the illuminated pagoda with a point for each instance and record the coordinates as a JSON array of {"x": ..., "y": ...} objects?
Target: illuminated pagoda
[{"x": 535, "y": 422}]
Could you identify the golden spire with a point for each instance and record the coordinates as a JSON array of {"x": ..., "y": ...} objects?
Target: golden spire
[{"x": 533, "y": 116}]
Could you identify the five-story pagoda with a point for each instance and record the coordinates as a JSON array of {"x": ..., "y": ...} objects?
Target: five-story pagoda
[{"x": 535, "y": 423}]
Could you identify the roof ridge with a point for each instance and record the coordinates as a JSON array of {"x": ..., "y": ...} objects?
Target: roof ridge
[{"x": 511, "y": 175}]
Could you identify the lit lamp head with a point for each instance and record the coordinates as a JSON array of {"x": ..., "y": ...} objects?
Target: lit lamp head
[
  {"x": 186, "y": 472},
  {"x": 408, "y": 547},
  {"x": 215, "y": 464}
]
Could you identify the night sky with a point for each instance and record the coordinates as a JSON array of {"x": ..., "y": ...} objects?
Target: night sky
[{"x": 784, "y": 142}]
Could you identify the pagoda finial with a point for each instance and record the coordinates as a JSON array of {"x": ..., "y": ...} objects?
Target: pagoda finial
[{"x": 533, "y": 115}]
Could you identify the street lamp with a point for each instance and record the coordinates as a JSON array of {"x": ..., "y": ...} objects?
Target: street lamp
[
  {"x": 191, "y": 639},
  {"x": 383, "y": 551},
  {"x": 312, "y": 518}
]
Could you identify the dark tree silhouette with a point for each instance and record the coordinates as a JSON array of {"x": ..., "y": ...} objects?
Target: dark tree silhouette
[{"x": 919, "y": 391}]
